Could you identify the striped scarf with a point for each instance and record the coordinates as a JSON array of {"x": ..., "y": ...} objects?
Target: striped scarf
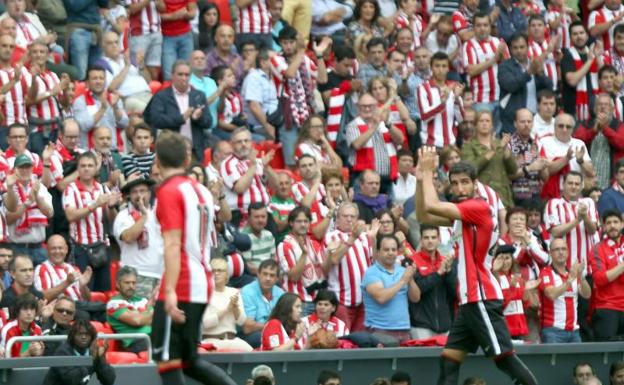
[
  {"x": 582, "y": 88},
  {"x": 337, "y": 100}
]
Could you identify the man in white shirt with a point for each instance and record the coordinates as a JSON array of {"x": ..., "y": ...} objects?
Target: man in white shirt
[
  {"x": 138, "y": 234},
  {"x": 124, "y": 77},
  {"x": 405, "y": 185},
  {"x": 544, "y": 120}
]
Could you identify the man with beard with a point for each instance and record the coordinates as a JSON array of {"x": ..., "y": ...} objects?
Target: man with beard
[
  {"x": 579, "y": 72},
  {"x": 615, "y": 56},
  {"x": 139, "y": 237},
  {"x": 607, "y": 265},
  {"x": 81, "y": 341},
  {"x": 128, "y": 312},
  {"x": 302, "y": 260},
  {"x": 479, "y": 321},
  {"x": 111, "y": 161}
]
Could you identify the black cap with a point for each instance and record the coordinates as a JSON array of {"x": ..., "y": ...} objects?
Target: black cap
[
  {"x": 505, "y": 249},
  {"x": 136, "y": 182}
]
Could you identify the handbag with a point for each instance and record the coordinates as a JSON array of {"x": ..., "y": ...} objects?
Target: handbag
[{"x": 97, "y": 254}]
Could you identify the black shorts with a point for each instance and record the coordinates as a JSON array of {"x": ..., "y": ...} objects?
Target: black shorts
[
  {"x": 480, "y": 324},
  {"x": 171, "y": 340}
]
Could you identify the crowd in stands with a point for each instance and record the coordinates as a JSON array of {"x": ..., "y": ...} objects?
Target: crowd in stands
[{"x": 304, "y": 118}]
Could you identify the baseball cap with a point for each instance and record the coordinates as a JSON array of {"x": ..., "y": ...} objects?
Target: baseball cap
[{"x": 23, "y": 160}]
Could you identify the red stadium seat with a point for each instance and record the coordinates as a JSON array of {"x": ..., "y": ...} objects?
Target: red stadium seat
[
  {"x": 103, "y": 328},
  {"x": 345, "y": 176},
  {"x": 121, "y": 358},
  {"x": 81, "y": 87},
  {"x": 98, "y": 296},
  {"x": 114, "y": 267},
  {"x": 207, "y": 156}
]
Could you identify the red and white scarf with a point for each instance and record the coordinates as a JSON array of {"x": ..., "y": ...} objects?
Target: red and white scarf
[
  {"x": 337, "y": 100},
  {"x": 92, "y": 108},
  {"x": 365, "y": 156},
  {"x": 143, "y": 239},
  {"x": 32, "y": 216},
  {"x": 582, "y": 90},
  {"x": 65, "y": 154}
]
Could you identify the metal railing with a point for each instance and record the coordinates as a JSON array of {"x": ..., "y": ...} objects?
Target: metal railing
[{"x": 100, "y": 336}]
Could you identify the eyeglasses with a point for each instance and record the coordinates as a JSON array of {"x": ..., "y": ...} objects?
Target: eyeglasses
[
  {"x": 64, "y": 311},
  {"x": 566, "y": 126}
]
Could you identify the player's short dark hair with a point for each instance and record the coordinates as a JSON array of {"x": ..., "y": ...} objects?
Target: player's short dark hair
[
  {"x": 463, "y": 168},
  {"x": 515, "y": 210},
  {"x": 17, "y": 125},
  {"x": 611, "y": 213},
  {"x": 577, "y": 23},
  {"x": 25, "y": 301},
  {"x": 518, "y": 36},
  {"x": 480, "y": 15},
  {"x": 439, "y": 56},
  {"x": 218, "y": 72},
  {"x": 305, "y": 156},
  {"x": 342, "y": 52},
  {"x": 294, "y": 213},
  {"x": 381, "y": 237},
  {"x": 256, "y": 206},
  {"x": 606, "y": 69},
  {"x": 375, "y": 42},
  {"x": 546, "y": 94},
  {"x": 425, "y": 227},
  {"x": 287, "y": 33},
  {"x": 326, "y": 375},
  {"x": 270, "y": 264},
  {"x": 95, "y": 68},
  {"x": 581, "y": 364},
  {"x": 171, "y": 149},
  {"x": 327, "y": 295},
  {"x": 404, "y": 152},
  {"x": 400, "y": 377},
  {"x": 572, "y": 173},
  {"x": 86, "y": 155}
]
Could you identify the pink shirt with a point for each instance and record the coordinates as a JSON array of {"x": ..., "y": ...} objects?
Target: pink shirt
[{"x": 183, "y": 104}]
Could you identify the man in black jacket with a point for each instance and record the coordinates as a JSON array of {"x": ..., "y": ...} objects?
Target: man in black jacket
[
  {"x": 181, "y": 108},
  {"x": 81, "y": 341},
  {"x": 436, "y": 278},
  {"x": 520, "y": 80},
  {"x": 59, "y": 323}
]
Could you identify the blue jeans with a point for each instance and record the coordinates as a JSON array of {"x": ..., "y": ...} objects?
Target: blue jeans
[
  {"x": 81, "y": 52},
  {"x": 175, "y": 48},
  {"x": 560, "y": 336}
]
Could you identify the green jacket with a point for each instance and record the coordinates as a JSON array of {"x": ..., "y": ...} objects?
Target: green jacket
[{"x": 495, "y": 172}]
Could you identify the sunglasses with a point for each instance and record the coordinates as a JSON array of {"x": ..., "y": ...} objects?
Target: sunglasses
[{"x": 64, "y": 311}]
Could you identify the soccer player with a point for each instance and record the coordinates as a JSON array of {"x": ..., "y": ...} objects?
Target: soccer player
[
  {"x": 185, "y": 211},
  {"x": 479, "y": 320}
]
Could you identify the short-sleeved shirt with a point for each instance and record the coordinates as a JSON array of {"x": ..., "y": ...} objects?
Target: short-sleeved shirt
[
  {"x": 257, "y": 306},
  {"x": 257, "y": 87},
  {"x": 176, "y": 27},
  {"x": 376, "y": 314},
  {"x": 274, "y": 335},
  {"x": 119, "y": 305},
  {"x": 208, "y": 86},
  {"x": 262, "y": 247}
]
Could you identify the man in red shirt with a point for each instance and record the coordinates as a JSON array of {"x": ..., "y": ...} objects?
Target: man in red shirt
[
  {"x": 479, "y": 321},
  {"x": 177, "y": 38},
  {"x": 608, "y": 273},
  {"x": 185, "y": 211}
]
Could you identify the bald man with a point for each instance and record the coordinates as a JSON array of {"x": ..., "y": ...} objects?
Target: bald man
[
  {"x": 532, "y": 169},
  {"x": 223, "y": 55}
]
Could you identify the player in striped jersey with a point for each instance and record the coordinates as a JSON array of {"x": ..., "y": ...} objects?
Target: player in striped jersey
[
  {"x": 544, "y": 48},
  {"x": 185, "y": 211},
  {"x": 310, "y": 192},
  {"x": 561, "y": 284},
  {"x": 479, "y": 321}
]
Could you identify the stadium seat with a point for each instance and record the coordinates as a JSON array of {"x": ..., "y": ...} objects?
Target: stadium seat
[
  {"x": 81, "y": 87},
  {"x": 207, "y": 156},
  {"x": 102, "y": 328},
  {"x": 114, "y": 267},
  {"x": 98, "y": 296},
  {"x": 345, "y": 176},
  {"x": 122, "y": 358}
]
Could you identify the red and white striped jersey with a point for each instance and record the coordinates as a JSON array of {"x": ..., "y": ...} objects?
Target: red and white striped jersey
[
  {"x": 345, "y": 279},
  {"x": 460, "y": 22},
  {"x": 274, "y": 335},
  {"x": 438, "y": 118},
  {"x": 254, "y": 18},
  {"x": 49, "y": 275},
  {"x": 14, "y": 106},
  {"x": 47, "y": 109},
  {"x": 185, "y": 205},
  {"x": 605, "y": 15},
  {"x": 8, "y": 160},
  {"x": 60, "y": 156},
  {"x": 10, "y": 330},
  {"x": 550, "y": 65},
  {"x": 493, "y": 200},
  {"x": 232, "y": 169},
  {"x": 28, "y": 30},
  {"x": 232, "y": 107},
  {"x": 334, "y": 324},
  {"x": 318, "y": 208},
  {"x": 315, "y": 150},
  {"x": 484, "y": 87},
  {"x": 414, "y": 23},
  {"x": 476, "y": 234},
  {"x": 288, "y": 253},
  {"x": 580, "y": 243},
  {"x": 513, "y": 307},
  {"x": 89, "y": 229},
  {"x": 146, "y": 21},
  {"x": 563, "y": 29},
  {"x": 551, "y": 148},
  {"x": 560, "y": 313}
]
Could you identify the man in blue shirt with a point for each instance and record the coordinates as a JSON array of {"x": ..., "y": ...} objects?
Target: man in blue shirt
[
  {"x": 613, "y": 197},
  {"x": 260, "y": 98},
  {"x": 259, "y": 299},
  {"x": 84, "y": 44},
  {"x": 205, "y": 84},
  {"x": 6, "y": 253},
  {"x": 387, "y": 286}
]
